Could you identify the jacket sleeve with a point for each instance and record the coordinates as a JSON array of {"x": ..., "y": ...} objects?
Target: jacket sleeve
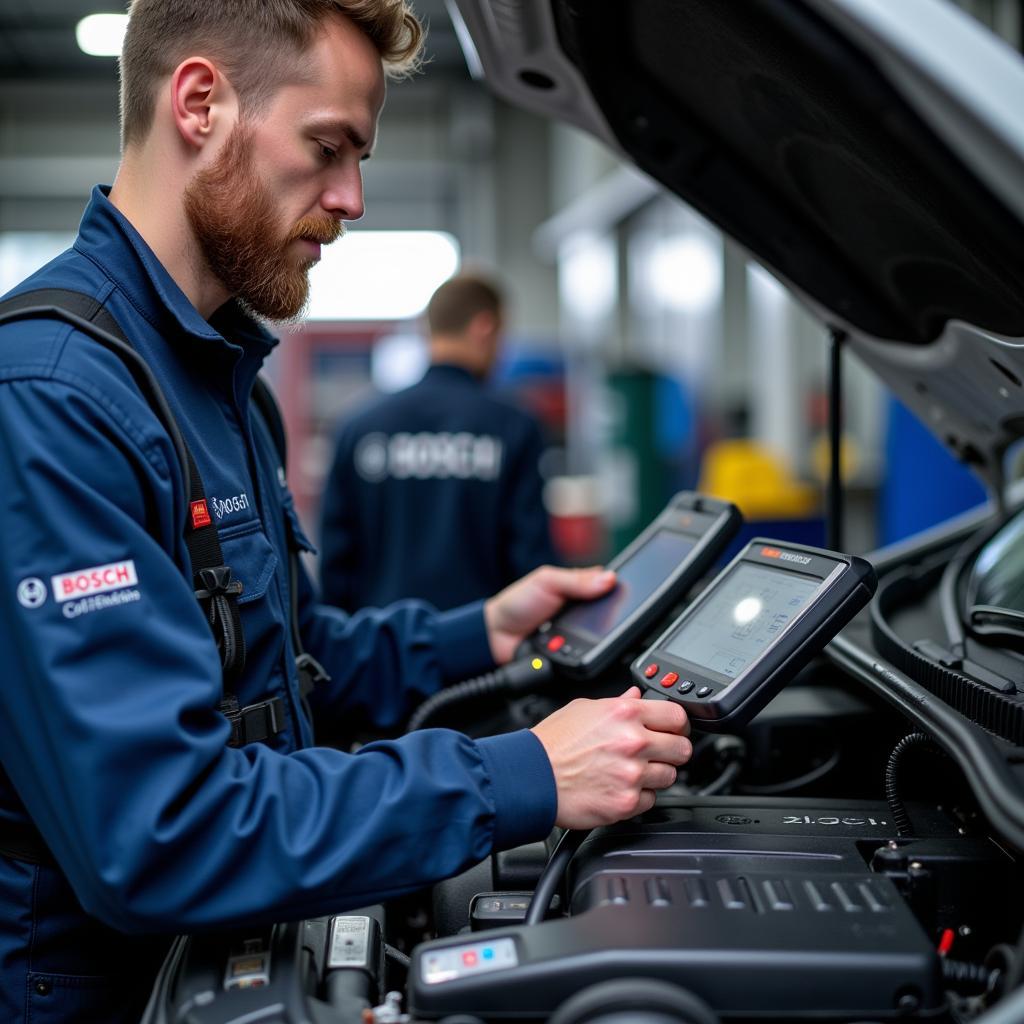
[
  {"x": 109, "y": 732},
  {"x": 338, "y": 534},
  {"x": 526, "y": 526},
  {"x": 384, "y": 661}
]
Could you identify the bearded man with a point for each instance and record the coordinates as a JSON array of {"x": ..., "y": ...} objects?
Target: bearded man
[{"x": 135, "y": 802}]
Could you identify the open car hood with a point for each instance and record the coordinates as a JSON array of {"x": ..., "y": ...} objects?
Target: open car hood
[{"x": 869, "y": 153}]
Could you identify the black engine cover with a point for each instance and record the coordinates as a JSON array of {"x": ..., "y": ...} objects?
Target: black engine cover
[{"x": 763, "y": 908}]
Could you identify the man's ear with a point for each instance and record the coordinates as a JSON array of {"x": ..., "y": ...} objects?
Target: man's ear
[
  {"x": 200, "y": 96},
  {"x": 483, "y": 324}
]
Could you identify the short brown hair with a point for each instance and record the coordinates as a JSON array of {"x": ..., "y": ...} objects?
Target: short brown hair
[
  {"x": 255, "y": 41},
  {"x": 460, "y": 299}
]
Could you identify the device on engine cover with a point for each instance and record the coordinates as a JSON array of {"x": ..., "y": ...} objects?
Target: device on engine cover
[
  {"x": 769, "y": 611},
  {"x": 654, "y": 571}
]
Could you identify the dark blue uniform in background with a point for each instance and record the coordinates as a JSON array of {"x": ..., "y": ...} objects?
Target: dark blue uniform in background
[
  {"x": 435, "y": 493},
  {"x": 110, "y": 738}
]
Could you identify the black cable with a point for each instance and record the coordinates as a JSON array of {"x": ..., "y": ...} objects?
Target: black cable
[
  {"x": 967, "y": 978},
  {"x": 949, "y": 588},
  {"x": 1016, "y": 969},
  {"x": 779, "y": 788},
  {"x": 728, "y": 752},
  {"x": 899, "y": 813},
  {"x": 553, "y": 873},
  {"x": 991, "y": 779},
  {"x": 729, "y": 772},
  {"x": 397, "y": 955},
  {"x": 835, "y": 436},
  {"x": 700, "y": 744},
  {"x": 478, "y": 686},
  {"x": 949, "y": 603},
  {"x": 526, "y": 674}
]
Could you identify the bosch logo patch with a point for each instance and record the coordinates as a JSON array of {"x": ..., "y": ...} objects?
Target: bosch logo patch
[
  {"x": 427, "y": 456},
  {"x": 96, "y": 580}
]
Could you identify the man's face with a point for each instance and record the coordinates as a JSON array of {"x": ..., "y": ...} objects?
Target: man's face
[{"x": 281, "y": 184}]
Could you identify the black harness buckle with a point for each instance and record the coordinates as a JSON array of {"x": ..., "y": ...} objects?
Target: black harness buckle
[
  {"x": 255, "y": 722},
  {"x": 217, "y": 582},
  {"x": 311, "y": 673}
]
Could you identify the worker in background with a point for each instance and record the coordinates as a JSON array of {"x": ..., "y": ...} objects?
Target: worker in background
[
  {"x": 130, "y": 809},
  {"x": 435, "y": 492}
]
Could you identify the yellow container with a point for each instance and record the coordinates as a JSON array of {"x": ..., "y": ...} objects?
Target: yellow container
[{"x": 757, "y": 480}]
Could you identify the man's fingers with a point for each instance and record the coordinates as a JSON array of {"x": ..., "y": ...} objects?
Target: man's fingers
[
  {"x": 664, "y": 716},
  {"x": 581, "y": 584},
  {"x": 663, "y": 746},
  {"x": 646, "y": 802},
  {"x": 658, "y": 776}
]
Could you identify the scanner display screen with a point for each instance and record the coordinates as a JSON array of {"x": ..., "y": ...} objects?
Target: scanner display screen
[
  {"x": 638, "y": 577},
  {"x": 744, "y": 615}
]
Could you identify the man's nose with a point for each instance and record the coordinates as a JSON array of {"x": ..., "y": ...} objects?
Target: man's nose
[{"x": 344, "y": 196}]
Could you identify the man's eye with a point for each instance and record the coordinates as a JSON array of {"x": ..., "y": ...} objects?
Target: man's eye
[{"x": 326, "y": 152}]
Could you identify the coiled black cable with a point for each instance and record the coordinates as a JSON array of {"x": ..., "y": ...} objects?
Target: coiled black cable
[
  {"x": 968, "y": 978},
  {"x": 518, "y": 676},
  {"x": 899, "y": 812}
]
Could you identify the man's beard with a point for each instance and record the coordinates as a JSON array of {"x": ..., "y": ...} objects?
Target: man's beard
[{"x": 234, "y": 219}]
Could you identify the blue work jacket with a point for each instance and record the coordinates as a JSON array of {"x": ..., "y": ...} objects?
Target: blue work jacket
[
  {"x": 434, "y": 493},
  {"x": 110, "y": 738}
]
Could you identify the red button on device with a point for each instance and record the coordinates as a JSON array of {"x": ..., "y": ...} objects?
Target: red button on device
[
  {"x": 651, "y": 671},
  {"x": 469, "y": 958},
  {"x": 669, "y": 678},
  {"x": 556, "y": 643}
]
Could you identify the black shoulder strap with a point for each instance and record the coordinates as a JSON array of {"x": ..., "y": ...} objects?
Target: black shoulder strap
[{"x": 215, "y": 589}]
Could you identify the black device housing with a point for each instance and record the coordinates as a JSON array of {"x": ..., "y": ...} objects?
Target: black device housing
[
  {"x": 764, "y": 907},
  {"x": 707, "y": 523},
  {"x": 716, "y": 701}
]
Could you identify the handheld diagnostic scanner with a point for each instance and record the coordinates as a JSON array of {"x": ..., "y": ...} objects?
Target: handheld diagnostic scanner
[
  {"x": 653, "y": 573},
  {"x": 768, "y": 612}
]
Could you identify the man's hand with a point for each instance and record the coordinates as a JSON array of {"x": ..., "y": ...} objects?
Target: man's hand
[
  {"x": 512, "y": 615},
  {"x": 610, "y": 756}
]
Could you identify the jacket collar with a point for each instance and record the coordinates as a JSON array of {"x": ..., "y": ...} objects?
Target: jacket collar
[
  {"x": 451, "y": 372},
  {"x": 108, "y": 238}
]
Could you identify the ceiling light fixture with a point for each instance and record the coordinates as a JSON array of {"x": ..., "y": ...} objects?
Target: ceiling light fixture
[
  {"x": 380, "y": 275},
  {"x": 101, "y": 35}
]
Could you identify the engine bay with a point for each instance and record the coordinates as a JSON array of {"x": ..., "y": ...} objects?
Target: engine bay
[{"x": 843, "y": 857}]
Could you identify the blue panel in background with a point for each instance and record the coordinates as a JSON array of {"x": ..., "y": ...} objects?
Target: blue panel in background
[{"x": 924, "y": 484}]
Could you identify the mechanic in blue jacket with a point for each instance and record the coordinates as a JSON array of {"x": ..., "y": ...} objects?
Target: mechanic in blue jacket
[
  {"x": 244, "y": 124},
  {"x": 435, "y": 492}
]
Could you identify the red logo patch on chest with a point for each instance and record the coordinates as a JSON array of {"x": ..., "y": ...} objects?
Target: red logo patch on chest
[{"x": 200, "y": 514}]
